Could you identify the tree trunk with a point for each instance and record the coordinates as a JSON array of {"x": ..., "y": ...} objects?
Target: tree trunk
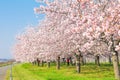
[
  {"x": 42, "y": 63},
  {"x": 48, "y": 64},
  {"x": 81, "y": 60},
  {"x": 38, "y": 63},
  {"x": 35, "y": 62},
  {"x": 97, "y": 60},
  {"x": 71, "y": 62},
  {"x": 64, "y": 61},
  {"x": 58, "y": 63},
  {"x": 110, "y": 61},
  {"x": 68, "y": 61},
  {"x": 116, "y": 65},
  {"x": 78, "y": 63},
  {"x": 84, "y": 60}
]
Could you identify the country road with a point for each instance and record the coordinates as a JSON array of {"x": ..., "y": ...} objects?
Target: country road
[{"x": 3, "y": 71}]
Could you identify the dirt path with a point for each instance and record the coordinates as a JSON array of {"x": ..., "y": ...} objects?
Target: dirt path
[{"x": 3, "y": 71}]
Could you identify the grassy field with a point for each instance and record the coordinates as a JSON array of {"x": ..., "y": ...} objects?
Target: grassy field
[{"x": 89, "y": 72}]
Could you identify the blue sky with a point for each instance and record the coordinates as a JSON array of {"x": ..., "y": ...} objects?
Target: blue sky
[{"x": 15, "y": 15}]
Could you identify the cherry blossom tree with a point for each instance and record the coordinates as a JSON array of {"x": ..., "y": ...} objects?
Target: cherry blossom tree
[
  {"x": 25, "y": 48},
  {"x": 104, "y": 25},
  {"x": 67, "y": 23}
]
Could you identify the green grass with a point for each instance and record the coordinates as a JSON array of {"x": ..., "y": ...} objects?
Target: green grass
[{"x": 88, "y": 72}]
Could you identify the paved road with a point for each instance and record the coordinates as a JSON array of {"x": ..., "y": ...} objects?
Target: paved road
[{"x": 3, "y": 71}]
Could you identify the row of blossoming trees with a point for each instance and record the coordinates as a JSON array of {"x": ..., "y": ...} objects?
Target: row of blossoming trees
[{"x": 72, "y": 28}]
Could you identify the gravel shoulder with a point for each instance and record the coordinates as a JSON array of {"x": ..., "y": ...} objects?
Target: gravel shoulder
[{"x": 3, "y": 71}]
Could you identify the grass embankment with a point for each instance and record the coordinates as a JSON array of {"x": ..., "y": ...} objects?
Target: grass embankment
[
  {"x": 89, "y": 72},
  {"x": 5, "y": 63}
]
